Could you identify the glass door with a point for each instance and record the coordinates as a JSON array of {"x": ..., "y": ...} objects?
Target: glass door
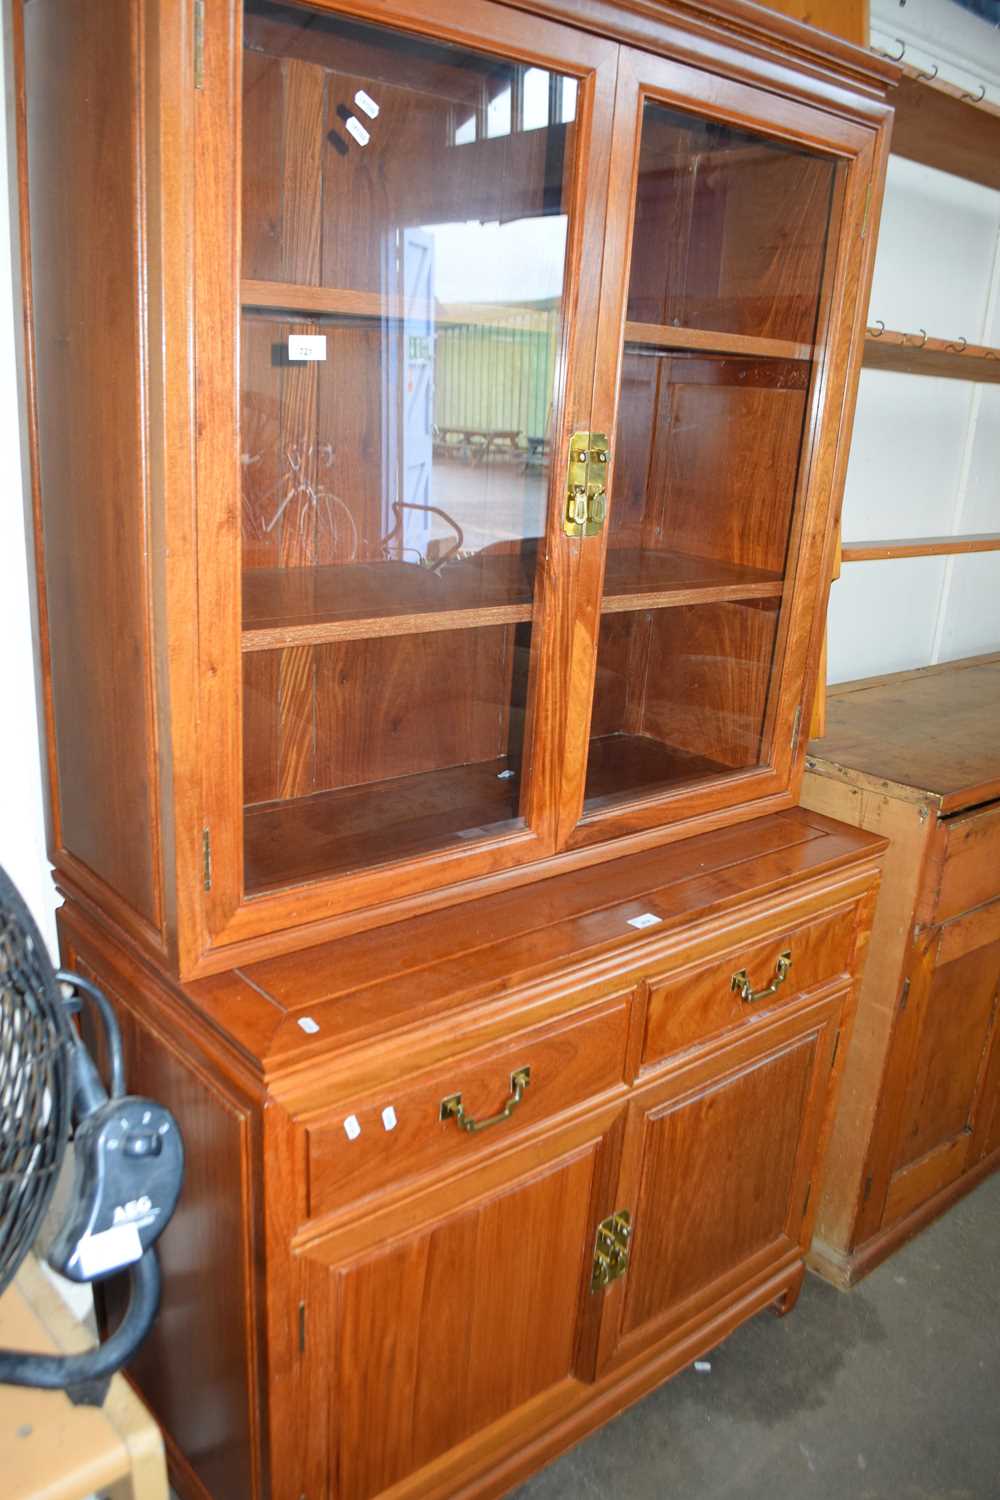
[
  {"x": 406, "y": 256},
  {"x": 733, "y": 243}
]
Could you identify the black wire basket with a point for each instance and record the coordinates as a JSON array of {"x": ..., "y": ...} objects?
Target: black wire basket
[{"x": 35, "y": 1044}]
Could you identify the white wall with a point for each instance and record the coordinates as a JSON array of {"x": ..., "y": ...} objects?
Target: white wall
[
  {"x": 22, "y": 825},
  {"x": 925, "y": 459}
]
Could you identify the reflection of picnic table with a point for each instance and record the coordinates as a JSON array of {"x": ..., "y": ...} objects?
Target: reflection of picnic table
[
  {"x": 478, "y": 443},
  {"x": 537, "y": 454}
]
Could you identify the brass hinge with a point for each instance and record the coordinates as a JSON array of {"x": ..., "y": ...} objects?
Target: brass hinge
[
  {"x": 905, "y": 995},
  {"x": 302, "y": 1328},
  {"x": 586, "y": 484},
  {"x": 611, "y": 1249},
  {"x": 206, "y": 858},
  {"x": 868, "y": 205},
  {"x": 868, "y": 1190},
  {"x": 199, "y": 44},
  {"x": 795, "y": 726},
  {"x": 805, "y": 1204},
  {"x": 836, "y": 1049}
]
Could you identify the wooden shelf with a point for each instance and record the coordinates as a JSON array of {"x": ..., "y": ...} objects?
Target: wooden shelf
[
  {"x": 355, "y": 827},
  {"x": 640, "y": 579},
  {"x": 664, "y": 336},
  {"x": 353, "y": 601},
  {"x": 916, "y": 354},
  {"x": 324, "y": 301},
  {"x": 626, "y": 765},
  {"x": 924, "y": 546},
  {"x": 936, "y": 123}
]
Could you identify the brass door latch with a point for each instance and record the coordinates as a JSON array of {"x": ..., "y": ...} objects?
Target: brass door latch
[
  {"x": 611, "y": 1249},
  {"x": 586, "y": 484}
]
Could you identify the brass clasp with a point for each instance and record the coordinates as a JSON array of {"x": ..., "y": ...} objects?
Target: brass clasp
[{"x": 586, "y": 484}]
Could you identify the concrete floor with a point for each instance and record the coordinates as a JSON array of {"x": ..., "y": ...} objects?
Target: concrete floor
[{"x": 889, "y": 1392}]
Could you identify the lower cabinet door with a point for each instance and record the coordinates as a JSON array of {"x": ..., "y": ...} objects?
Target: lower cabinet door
[
  {"x": 943, "y": 1075},
  {"x": 429, "y": 1330},
  {"x": 718, "y": 1165}
]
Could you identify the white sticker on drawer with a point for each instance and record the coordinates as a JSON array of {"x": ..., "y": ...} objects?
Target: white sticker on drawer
[
  {"x": 646, "y": 919},
  {"x": 389, "y": 1117},
  {"x": 352, "y": 1127},
  {"x": 355, "y": 128},
  {"x": 367, "y": 103},
  {"x": 308, "y": 1025}
]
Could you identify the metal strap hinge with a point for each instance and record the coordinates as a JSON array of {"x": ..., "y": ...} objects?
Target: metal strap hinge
[
  {"x": 206, "y": 858},
  {"x": 904, "y": 995},
  {"x": 302, "y": 1327}
]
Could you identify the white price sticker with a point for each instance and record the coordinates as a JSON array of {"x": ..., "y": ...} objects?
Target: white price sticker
[
  {"x": 647, "y": 919},
  {"x": 306, "y": 346}
]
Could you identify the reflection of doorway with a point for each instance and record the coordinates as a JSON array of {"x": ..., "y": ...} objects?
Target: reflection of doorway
[{"x": 408, "y": 394}]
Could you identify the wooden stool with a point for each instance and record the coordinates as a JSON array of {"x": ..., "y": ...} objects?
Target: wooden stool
[{"x": 51, "y": 1449}]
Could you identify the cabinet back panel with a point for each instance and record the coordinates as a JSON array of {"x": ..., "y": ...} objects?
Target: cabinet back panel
[{"x": 82, "y": 106}]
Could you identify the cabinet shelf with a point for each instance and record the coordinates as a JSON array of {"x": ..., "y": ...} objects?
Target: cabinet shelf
[
  {"x": 913, "y": 354},
  {"x": 706, "y": 340},
  {"x": 354, "y": 601},
  {"x": 354, "y": 827},
  {"x": 293, "y": 297}
]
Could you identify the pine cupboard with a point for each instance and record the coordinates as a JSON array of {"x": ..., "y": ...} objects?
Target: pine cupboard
[
  {"x": 438, "y": 417},
  {"x": 914, "y": 757}
]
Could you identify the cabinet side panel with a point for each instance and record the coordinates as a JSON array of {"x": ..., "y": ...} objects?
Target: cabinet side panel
[
  {"x": 197, "y": 1367},
  {"x": 81, "y": 149}
]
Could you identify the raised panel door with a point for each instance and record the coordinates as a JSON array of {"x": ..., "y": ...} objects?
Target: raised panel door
[
  {"x": 717, "y": 1167},
  {"x": 440, "y": 1334}
]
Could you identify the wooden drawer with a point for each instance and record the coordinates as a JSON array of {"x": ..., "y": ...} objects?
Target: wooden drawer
[
  {"x": 968, "y": 864},
  {"x": 374, "y": 1142},
  {"x": 692, "y": 1005}
]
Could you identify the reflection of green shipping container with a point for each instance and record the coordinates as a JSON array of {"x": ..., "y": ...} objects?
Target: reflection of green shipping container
[{"x": 495, "y": 371}]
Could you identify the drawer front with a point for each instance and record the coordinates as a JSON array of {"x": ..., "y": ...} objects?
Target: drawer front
[
  {"x": 694, "y": 1005},
  {"x": 372, "y": 1143},
  {"x": 970, "y": 869}
]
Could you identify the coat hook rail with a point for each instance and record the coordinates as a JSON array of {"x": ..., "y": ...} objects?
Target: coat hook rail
[{"x": 921, "y": 354}]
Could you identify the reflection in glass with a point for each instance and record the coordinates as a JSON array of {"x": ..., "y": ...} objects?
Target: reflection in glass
[{"x": 403, "y": 265}]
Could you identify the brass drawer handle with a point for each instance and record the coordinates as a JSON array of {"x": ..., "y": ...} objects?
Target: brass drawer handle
[
  {"x": 741, "y": 983},
  {"x": 452, "y": 1108}
]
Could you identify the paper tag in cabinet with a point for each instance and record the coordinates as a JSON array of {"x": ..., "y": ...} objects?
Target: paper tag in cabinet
[{"x": 306, "y": 346}]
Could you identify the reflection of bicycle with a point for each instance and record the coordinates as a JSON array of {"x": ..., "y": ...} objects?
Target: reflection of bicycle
[{"x": 317, "y": 502}]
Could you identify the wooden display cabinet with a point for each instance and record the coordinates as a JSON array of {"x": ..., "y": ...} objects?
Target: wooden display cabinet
[{"x": 438, "y": 417}]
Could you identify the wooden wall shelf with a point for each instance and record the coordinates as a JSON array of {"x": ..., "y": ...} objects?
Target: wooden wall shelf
[
  {"x": 926, "y": 546},
  {"x": 937, "y": 124},
  {"x": 665, "y": 336},
  {"x": 916, "y": 354}
]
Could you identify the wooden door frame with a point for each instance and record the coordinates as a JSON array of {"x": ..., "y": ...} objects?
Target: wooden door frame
[
  {"x": 227, "y": 916},
  {"x": 847, "y": 272}
]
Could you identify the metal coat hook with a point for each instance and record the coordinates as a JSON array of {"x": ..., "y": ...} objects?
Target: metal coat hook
[
  {"x": 881, "y": 329},
  {"x": 976, "y": 98},
  {"x": 927, "y": 77},
  {"x": 923, "y": 340},
  {"x": 959, "y": 348},
  {"x": 900, "y": 53}
]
